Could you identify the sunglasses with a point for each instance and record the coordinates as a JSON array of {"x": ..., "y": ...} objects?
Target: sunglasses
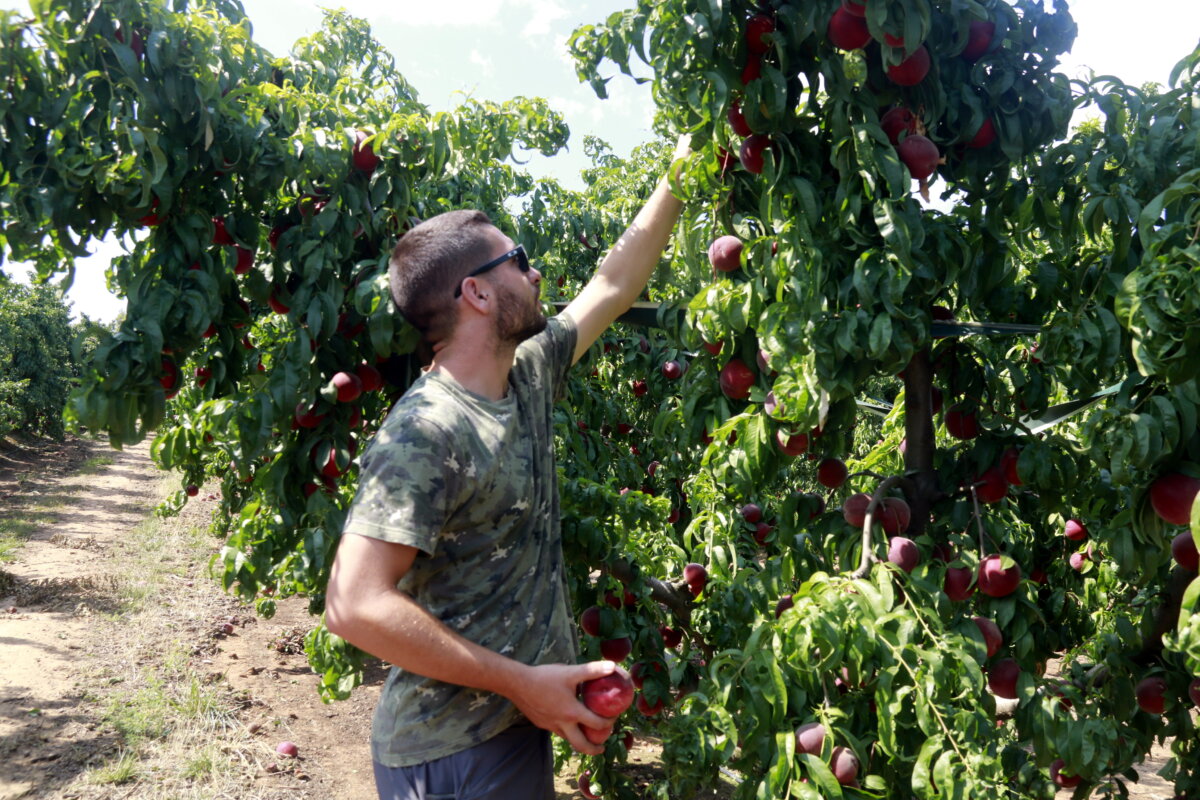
[{"x": 518, "y": 253}]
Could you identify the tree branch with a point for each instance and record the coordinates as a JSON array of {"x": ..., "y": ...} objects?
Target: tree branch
[
  {"x": 864, "y": 565},
  {"x": 676, "y": 597},
  {"x": 921, "y": 441}
]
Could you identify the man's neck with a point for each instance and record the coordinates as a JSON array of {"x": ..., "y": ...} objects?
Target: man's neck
[{"x": 482, "y": 370}]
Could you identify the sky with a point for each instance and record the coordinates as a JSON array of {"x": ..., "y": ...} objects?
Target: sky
[{"x": 497, "y": 49}]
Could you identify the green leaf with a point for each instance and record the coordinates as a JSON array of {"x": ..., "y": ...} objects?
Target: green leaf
[{"x": 820, "y": 775}]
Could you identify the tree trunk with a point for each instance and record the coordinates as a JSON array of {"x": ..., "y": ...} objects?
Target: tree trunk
[{"x": 921, "y": 444}]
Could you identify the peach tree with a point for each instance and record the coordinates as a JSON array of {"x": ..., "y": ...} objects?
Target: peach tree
[
  {"x": 1030, "y": 337},
  {"x": 257, "y": 199}
]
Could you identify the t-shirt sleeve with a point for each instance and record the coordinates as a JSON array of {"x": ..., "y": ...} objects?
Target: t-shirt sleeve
[
  {"x": 551, "y": 351},
  {"x": 407, "y": 488}
]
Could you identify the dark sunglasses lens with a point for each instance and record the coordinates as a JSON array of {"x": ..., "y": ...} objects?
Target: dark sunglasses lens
[{"x": 522, "y": 261}]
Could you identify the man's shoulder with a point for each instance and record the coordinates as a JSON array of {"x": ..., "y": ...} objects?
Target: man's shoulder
[
  {"x": 551, "y": 346},
  {"x": 427, "y": 410}
]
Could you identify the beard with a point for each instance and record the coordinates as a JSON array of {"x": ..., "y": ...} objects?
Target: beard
[{"x": 520, "y": 317}]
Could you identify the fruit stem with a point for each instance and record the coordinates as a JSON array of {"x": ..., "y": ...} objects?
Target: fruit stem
[{"x": 979, "y": 521}]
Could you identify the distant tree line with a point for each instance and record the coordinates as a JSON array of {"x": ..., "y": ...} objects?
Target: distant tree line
[{"x": 42, "y": 354}]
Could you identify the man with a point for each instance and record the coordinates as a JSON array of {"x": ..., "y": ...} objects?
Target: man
[{"x": 450, "y": 566}]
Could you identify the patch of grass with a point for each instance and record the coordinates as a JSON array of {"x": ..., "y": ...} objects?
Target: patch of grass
[
  {"x": 182, "y": 730},
  {"x": 204, "y": 703},
  {"x": 157, "y": 548},
  {"x": 123, "y": 769},
  {"x": 178, "y": 719},
  {"x": 16, "y": 529},
  {"x": 200, "y": 765},
  {"x": 141, "y": 714},
  {"x": 12, "y": 534},
  {"x": 94, "y": 464}
]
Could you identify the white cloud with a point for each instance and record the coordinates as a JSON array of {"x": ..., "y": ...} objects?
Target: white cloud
[
  {"x": 417, "y": 14},
  {"x": 483, "y": 62},
  {"x": 560, "y": 49},
  {"x": 542, "y": 14},
  {"x": 566, "y": 106}
]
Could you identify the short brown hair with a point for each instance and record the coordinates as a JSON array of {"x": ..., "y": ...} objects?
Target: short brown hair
[{"x": 429, "y": 261}]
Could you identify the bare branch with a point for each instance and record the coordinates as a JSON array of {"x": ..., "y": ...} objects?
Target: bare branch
[
  {"x": 676, "y": 597},
  {"x": 864, "y": 565}
]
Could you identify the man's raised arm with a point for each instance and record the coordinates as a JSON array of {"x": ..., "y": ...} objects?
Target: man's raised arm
[{"x": 627, "y": 267}]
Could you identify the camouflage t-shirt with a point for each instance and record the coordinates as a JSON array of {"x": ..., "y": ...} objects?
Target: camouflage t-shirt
[{"x": 472, "y": 484}]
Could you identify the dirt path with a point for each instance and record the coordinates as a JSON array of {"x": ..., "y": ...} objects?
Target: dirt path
[
  {"x": 52, "y": 590},
  {"x": 115, "y": 664}
]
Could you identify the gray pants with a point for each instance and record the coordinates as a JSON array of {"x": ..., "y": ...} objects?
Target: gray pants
[{"x": 515, "y": 765}]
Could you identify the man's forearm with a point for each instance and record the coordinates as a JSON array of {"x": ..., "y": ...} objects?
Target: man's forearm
[
  {"x": 401, "y": 631},
  {"x": 628, "y": 265}
]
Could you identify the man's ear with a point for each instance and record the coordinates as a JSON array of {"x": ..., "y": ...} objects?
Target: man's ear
[{"x": 476, "y": 294}]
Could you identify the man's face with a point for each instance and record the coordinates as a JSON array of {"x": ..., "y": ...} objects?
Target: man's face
[{"x": 519, "y": 314}]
